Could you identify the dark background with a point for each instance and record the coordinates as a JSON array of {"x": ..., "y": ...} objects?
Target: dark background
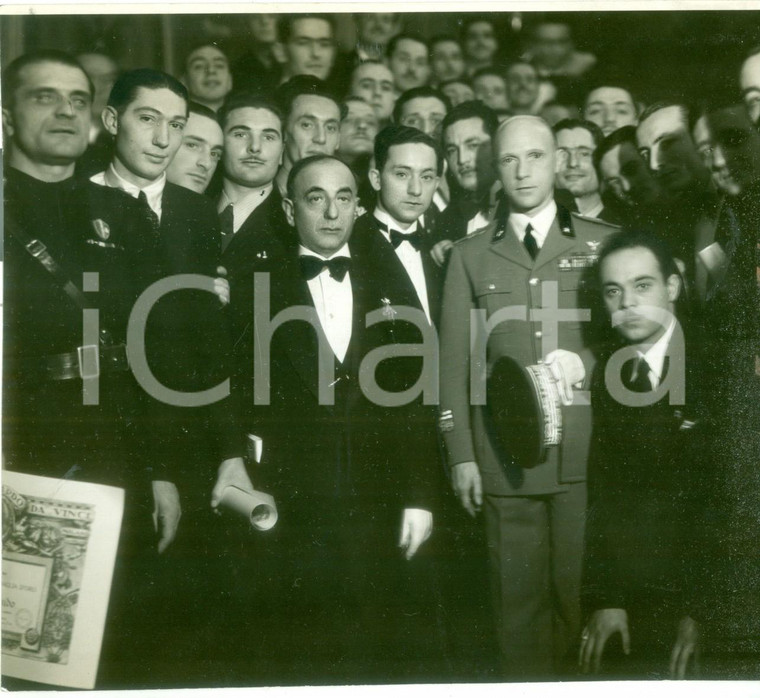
[{"x": 659, "y": 54}]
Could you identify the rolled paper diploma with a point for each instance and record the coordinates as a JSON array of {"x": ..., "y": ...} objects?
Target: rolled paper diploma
[{"x": 258, "y": 507}]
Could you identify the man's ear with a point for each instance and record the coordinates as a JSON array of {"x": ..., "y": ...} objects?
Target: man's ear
[
  {"x": 8, "y": 123},
  {"x": 287, "y": 206},
  {"x": 278, "y": 51},
  {"x": 674, "y": 287},
  {"x": 374, "y": 179},
  {"x": 110, "y": 118}
]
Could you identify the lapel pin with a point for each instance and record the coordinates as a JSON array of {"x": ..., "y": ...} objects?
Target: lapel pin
[{"x": 101, "y": 229}]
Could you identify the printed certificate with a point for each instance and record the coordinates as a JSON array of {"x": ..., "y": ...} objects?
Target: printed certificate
[{"x": 59, "y": 548}]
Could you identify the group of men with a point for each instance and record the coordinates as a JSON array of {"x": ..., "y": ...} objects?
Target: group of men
[{"x": 308, "y": 291}]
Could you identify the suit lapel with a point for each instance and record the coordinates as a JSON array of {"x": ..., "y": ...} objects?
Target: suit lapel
[
  {"x": 510, "y": 247},
  {"x": 299, "y": 338},
  {"x": 244, "y": 238}
]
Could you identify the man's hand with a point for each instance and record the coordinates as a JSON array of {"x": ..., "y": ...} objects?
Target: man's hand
[
  {"x": 166, "y": 512},
  {"x": 686, "y": 647},
  {"x": 416, "y": 528},
  {"x": 222, "y": 286},
  {"x": 231, "y": 472},
  {"x": 568, "y": 370},
  {"x": 601, "y": 626},
  {"x": 440, "y": 250},
  {"x": 468, "y": 486}
]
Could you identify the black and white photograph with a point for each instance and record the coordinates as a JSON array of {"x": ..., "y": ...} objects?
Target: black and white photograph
[{"x": 421, "y": 347}]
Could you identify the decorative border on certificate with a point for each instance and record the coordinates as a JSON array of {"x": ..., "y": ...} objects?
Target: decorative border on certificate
[{"x": 59, "y": 548}]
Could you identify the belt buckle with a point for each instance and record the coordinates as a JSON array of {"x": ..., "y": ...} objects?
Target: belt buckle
[
  {"x": 36, "y": 248},
  {"x": 91, "y": 351}
]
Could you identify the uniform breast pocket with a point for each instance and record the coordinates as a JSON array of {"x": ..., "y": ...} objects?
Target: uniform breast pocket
[{"x": 495, "y": 297}]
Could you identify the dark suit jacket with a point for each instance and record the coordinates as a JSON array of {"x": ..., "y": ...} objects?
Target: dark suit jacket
[
  {"x": 354, "y": 450},
  {"x": 187, "y": 335},
  {"x": 46, "y": 428},
  {"x": 648, "y": 485},
  {"x": 372, "y": 242},
  {"x": 262, "y": 236}
]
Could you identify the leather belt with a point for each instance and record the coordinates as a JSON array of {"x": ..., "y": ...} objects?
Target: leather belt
[{"x": 89, "y": 361}]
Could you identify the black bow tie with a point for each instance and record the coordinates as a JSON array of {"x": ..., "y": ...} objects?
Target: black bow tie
[
  {"x": 414, "y": 239},
  {"x": 337, "y": 266}
]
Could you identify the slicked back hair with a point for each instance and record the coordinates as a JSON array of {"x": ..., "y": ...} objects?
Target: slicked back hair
[
  {"x": 125, "y": 88},
  {"x": 201, "y": 110},
  {"x": 286, "y": 22},
  {"x": 658, "y": 106},
  {"x": 393, "y": 43},
  {"x": 568, "y": 124},
  {"x": 629, "y": 238},
  {"x": 200, "y": 45},
  {"x": 254, "y": 100},
  {"x": 471, "y": 110},
  {"x": 424, "y": 91},
  {"x": 300, "y": 85},
  {"x": 625, "y": 134},
  {"x": 12, "y": 74},
  {"x": 395, "y": 134}
]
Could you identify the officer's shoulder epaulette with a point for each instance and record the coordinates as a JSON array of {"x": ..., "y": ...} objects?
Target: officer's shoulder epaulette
[
  {"x": 476, "y": 235},
  {"x": 596, "y": 221}
]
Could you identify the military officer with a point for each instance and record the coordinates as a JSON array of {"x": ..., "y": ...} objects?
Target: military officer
[{"x": 530, "y": 267}]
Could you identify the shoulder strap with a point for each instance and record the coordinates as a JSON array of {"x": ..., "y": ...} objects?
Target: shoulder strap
[{"x": 41, "y": 254}]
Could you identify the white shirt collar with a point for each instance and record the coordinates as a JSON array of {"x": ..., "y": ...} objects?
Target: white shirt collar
[
  {"x": 342, "y": 252},
  {"x": 386, "y": 219},
  {"x": 655, "y": 355},
  {"x": 541, "y": 222},
  {"x": 153, "y": 192},
  {"x": 245, "y": 205}
]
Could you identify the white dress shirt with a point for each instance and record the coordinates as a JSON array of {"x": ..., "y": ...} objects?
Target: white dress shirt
[
  {"x": 408, "y": 256},
  {"x": 245, "y": 205},
  {"x": 153, "y": 192},
  {"x": 334, "y": 302},
  {"x": 541, "y": 222},
  {"x": 655, "y": 356}
]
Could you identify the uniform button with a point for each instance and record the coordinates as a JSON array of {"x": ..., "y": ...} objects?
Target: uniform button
[
  {"x": 540, "y": 361},
  {"x": 539, "y": 334},
  {"x": 491, "y": 287},
  {"x": 533, "y": 281}
]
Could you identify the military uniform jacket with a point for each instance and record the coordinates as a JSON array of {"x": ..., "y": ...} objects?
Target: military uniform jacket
[{"x": 492, "y": 271}]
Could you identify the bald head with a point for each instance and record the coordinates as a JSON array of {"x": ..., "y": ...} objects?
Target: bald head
[{"x": 525, "y": 152}]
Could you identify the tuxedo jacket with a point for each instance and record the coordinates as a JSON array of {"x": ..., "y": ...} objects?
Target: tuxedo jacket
[
  {"x": 318, "y": 457},
  {"x": 368, "y": 237},
  {"x": 649, "y": 484}
]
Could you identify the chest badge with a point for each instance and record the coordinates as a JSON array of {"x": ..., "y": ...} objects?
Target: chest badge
[
  {"x": 593, "y": 245},
  {"x": 101, "y": 229}
]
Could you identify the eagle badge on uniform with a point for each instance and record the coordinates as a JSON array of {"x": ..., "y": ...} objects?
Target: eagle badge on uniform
[
  {"x": 101, "y": 229},
  {"x": 593, "y": 244}
]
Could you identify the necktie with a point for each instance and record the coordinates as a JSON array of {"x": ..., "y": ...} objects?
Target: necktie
[
  {"x": 530, "y": 242},
  {"x": 414, "y": 239},
  {"x": 227, "y": 223},
  {"x": 636, "y": 375},
  {"x": 312, "y": 266},
  {"x": 148, "y": 213}
]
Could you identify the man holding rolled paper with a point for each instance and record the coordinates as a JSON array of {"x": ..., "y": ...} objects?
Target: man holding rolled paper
[
  {"x": 512, "y": 309},
  {"x": 329, "y": 584}
]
